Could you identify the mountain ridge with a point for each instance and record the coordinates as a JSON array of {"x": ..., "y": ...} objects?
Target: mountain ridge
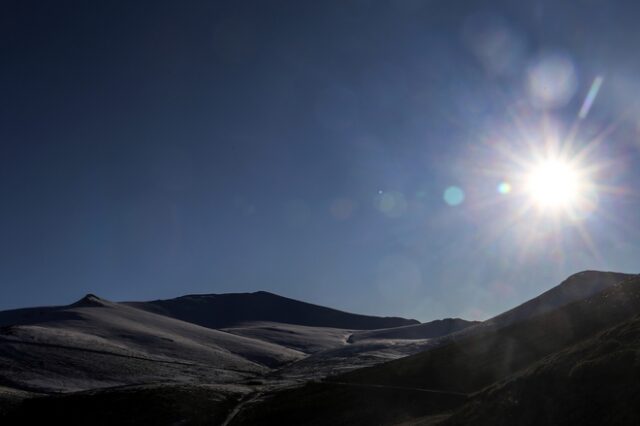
[
  {"x": 232, "y": 309},
  {"x": 94, "y": 343},
  {"x": 533, "y": 338},
  {"x": 466, "y": 364}
]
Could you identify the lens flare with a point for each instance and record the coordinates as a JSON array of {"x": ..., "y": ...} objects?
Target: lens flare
[
  {"x": 453, "y": 196},
  {"x": 504, "y": 188},
  {"x": 554, "y": 184},
  {"x": 555, "y": 181}
]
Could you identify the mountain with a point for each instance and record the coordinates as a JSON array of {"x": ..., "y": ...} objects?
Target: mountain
[
  {"x": 95, "y": 353},
  {"x": 594, "y": 383},
  {"x": 232, "y": 309},
  {"x": 477, "y": 357},
  {"x": 302, "y": 338},
  {"x": 429, "y": 330},
  {"x": 371, "y": 347},
  {"x": 535, "y": 364},
  {"x": 576, "y": 287},
  {"x": 467, "y": 364},
  {"x": 96, "y": 343}
]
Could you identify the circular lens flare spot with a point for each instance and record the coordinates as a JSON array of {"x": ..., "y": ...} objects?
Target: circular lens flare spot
[
  {"x": 504, "y": 188},
  {"x": 453, "y": 196}
]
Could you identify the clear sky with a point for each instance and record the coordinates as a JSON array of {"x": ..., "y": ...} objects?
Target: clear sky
[{"x": 372, "y": 156}]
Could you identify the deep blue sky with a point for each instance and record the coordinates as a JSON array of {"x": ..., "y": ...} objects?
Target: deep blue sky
[{"x": 151, "y": 149}]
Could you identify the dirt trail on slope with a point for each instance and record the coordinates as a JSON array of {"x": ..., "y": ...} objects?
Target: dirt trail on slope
[{"x": 248, "y": 399}]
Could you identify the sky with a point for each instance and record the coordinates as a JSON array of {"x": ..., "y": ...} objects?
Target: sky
[{"x": 371, "y": 156}]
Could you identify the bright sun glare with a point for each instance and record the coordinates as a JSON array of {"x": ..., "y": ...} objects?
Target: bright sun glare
[{"x": 554, "y": 184}]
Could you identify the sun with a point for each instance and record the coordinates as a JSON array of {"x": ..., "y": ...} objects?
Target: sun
[{"x": 554, "y": 184}]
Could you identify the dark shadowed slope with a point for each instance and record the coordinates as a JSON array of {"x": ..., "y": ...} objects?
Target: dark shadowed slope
[
  {"x": 475, "y": 361},
  {"x": 576, "y": 287},
  {"x": 228, "y": 310},
  {"x": 319, "y": 404},
  {"x": 11, "y": 398},
  {"x": 596, "y": 382},
  {"x": 157, "y": 405},
  {"x": 466, "y": 364}
]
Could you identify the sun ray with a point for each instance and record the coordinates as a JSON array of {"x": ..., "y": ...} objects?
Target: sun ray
[{"x": 588, "y": 242}]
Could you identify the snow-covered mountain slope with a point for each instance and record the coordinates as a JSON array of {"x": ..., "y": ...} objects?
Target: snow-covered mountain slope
[
  {"x": 96, "y": 343},
  {"x": 427, "y": 330},
  {"x": 371, "y": 347},
  {"x": 351, "y": 357},
  {"x": 299, "y": 337}
]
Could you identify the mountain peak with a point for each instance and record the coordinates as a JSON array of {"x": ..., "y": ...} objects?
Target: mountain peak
[
  {"x": 577, "y": 286},
  {"x": 594, "y": 274},
  {"x": 90, "y": 300}
]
